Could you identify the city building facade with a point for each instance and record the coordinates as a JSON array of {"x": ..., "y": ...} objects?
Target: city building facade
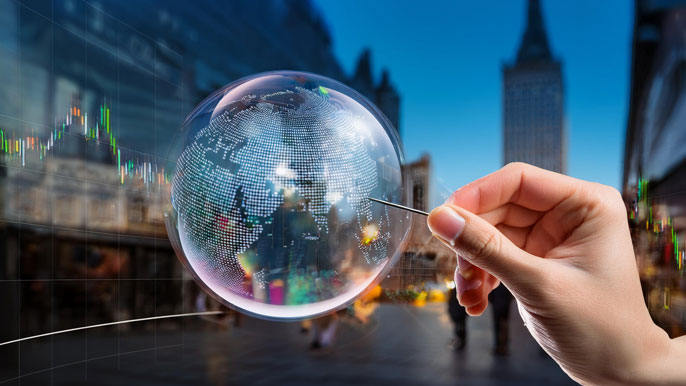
[
  {"x": 425, "y": 263},
  {"x": 69, "y": 215},
  {"x": 654, "y": 177},
  {"x": 533, "y": 101}
]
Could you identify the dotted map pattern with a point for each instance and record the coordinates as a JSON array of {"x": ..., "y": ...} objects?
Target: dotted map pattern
[{"x": 232, "y": 176}]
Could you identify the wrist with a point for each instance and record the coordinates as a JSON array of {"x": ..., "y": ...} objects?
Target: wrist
[
  {"x": 660, "y": 362},
  {"x": 672, "y": 367}
]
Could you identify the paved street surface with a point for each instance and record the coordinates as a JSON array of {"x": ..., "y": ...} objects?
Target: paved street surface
[{"x": 401, "y": 345}]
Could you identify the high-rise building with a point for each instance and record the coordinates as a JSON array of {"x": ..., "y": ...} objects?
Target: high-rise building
[
  {"x": 363, "y": 80},
  {"x": 388, "y": 99},
  {"x": 533, "y": 101},
  {"x": 384, "y": 94}
]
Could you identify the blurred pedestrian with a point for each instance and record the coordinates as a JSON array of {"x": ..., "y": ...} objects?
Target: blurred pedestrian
[
  {"x": 458, "y": 315},
  {"x": 324, "y": 331},
  {"x": 305, "y": 326},
  {"x": 500, "y": 299}
]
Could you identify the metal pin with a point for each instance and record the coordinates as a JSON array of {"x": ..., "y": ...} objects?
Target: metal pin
[{"x": 407, "y": 208}]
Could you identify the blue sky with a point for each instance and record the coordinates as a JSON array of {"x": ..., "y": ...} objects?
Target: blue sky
[{"x": 446, "y": 57}]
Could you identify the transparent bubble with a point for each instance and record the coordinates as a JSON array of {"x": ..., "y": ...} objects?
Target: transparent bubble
[{"x": 268, "y": 205}]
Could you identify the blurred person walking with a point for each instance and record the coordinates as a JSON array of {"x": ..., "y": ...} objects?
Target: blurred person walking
[
  {"x": 500, "y": 299},
  {"x": 324, "y": 329},
  {"x": 458, "y": 315}
]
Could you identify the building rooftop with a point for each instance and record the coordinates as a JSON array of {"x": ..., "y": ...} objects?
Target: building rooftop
[{"x": 534, "y": 46}]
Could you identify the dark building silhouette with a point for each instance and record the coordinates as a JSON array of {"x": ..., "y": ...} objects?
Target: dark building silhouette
[
  {"x": 654, "y": 178},
  {"x": 533, "y": 100},
  {"x": 362, "y": 79},
  {"x": 384, "y": 95},
  {"x": 388, "y": 99}
]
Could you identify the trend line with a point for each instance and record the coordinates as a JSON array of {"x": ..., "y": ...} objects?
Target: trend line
[{"x": 112, "y": 324}]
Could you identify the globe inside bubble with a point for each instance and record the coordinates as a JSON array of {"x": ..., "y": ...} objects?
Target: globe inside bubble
[{"x": 268, "y": 206}]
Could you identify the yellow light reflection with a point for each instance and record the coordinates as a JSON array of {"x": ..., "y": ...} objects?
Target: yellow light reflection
[{"x": 370, "y": 233}]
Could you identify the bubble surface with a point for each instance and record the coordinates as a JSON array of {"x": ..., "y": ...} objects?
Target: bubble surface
[{"x": 268, "y": 205}]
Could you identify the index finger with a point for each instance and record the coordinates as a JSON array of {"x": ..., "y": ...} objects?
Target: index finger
[{"x": 519, "y": 183}]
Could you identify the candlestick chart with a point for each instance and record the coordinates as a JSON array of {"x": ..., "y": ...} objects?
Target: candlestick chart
[
  {"x": 16, "y": 148},
  {"x": 87, "y": 105},
  {"x": 657, "y": 222}
]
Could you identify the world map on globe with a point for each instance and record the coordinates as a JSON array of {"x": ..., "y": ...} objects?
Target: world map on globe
[{"x": 271, "y": 199}]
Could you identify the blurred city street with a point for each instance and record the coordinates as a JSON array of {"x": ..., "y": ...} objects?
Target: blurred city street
[
  {"x": 159, "y": 160},
  {"x": 400, "y": 345}
]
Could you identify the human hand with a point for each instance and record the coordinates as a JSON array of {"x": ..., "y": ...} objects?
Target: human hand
[{"x": 562, "y": 247}]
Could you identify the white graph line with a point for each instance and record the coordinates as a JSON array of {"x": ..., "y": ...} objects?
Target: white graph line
[{"x": 111, "y": 324}]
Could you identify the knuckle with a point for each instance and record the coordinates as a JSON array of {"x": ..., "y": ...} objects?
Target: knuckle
[
  {"x": 608, "y": 198},
  {"x": 516, "y": 166},
  {"x": 614, "y": 200},
  {"x": 613, "y": 194},
  {"x": 485, "y": 245}
]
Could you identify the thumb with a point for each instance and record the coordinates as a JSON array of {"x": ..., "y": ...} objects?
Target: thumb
[{"x": 480, "y": 243}]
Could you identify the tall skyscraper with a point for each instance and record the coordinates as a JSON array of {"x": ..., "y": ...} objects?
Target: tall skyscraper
[
  {"x": 383, "y": 94},
  {"x": 388, "y": 99},
  {"x": 363, "y": 80},
  {"x": 533, "y": 101}
]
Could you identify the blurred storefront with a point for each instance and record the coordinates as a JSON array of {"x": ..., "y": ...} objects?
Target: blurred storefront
[
  {"x": 654, "y": 180},
  {"x": 78, "y": 245},
  {"x": 425, "y": 266}
]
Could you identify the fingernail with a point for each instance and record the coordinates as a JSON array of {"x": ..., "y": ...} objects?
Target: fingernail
[
  {"x": 446, "y": 223},
  {"x": 466, "y": 273},
  {"x": 464, "y": 285},
  {"x": 463, "y": 264}
]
